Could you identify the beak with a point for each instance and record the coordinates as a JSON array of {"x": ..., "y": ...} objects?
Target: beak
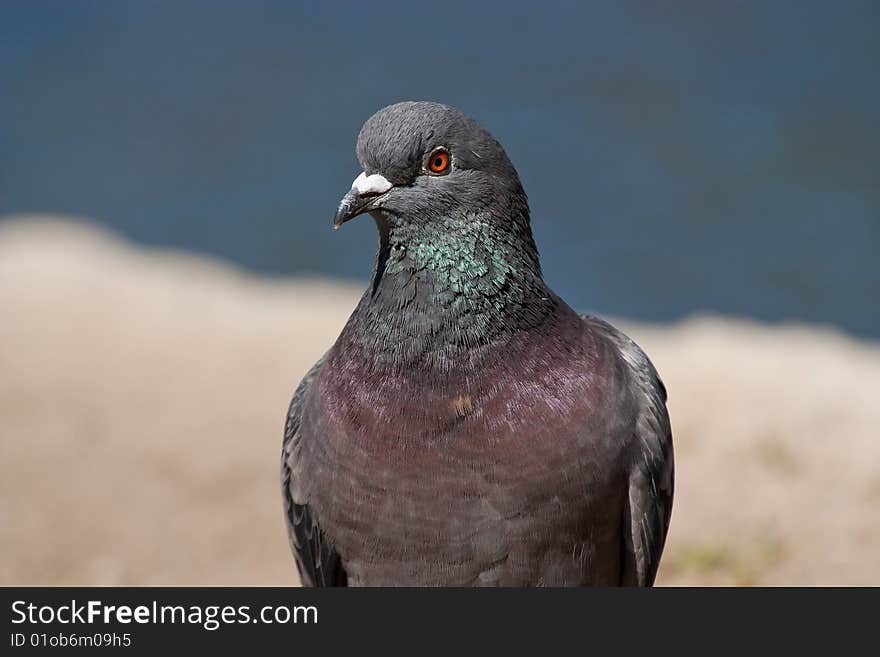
[{"x": 363, "y": 197}]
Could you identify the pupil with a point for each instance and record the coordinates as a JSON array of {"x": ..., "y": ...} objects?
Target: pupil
[{"x": 438, "y": 162}]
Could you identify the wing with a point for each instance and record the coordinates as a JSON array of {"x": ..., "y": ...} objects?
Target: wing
[
  {"x": 652, "y": 479},
  {"x": 318, "y": 564}
]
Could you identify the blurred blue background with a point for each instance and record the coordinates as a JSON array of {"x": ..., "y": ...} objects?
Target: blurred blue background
[{"x": 679, "y": 157}]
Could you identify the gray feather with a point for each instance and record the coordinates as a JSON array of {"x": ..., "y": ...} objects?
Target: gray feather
[{"x": 652, "y": 478}]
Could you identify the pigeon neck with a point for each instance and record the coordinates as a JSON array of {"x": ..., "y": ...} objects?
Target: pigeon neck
[{"x": 449, "y": 288}]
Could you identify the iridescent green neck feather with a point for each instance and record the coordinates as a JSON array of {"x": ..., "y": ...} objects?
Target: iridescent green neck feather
[{"x": 442, "y": 289}]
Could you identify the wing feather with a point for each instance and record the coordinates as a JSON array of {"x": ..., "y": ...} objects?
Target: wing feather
[
  {"x": 652, "y": 476},
  {"x": 316, "y": 560}
]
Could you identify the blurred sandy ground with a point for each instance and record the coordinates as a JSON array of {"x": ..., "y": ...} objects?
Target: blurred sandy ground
[{"x": 142, "y": 395}]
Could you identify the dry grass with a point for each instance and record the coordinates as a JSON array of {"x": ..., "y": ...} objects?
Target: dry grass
[{"x": 142, "y": 396}]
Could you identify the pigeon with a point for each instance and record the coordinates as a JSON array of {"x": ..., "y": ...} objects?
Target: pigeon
[{"x": 467, "y": 427}]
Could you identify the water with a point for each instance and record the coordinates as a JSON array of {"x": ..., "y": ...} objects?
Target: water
[{"x": 678, "y": 158}]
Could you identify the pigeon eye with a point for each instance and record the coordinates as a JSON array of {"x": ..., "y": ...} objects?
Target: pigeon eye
[{"x": 438, "y": 162}]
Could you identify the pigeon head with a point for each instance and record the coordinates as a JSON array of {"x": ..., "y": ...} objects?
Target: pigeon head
[
  {"x": 456, "y": 265},
  {"x": 427, "y": 167}
]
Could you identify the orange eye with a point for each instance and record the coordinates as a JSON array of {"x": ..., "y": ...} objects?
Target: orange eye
[{"x": 439, "y": 161}]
